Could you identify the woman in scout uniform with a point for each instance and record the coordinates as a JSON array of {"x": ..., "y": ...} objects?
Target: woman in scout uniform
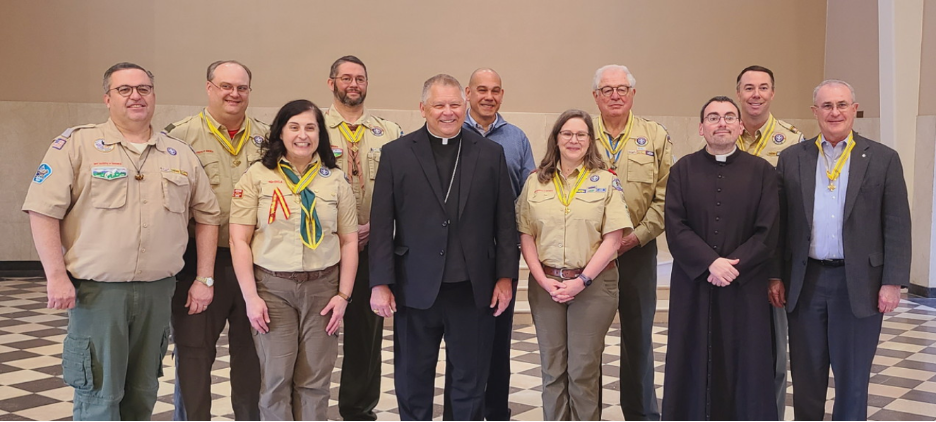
[
  {"x": 572, "y": 216},
  {"x": 293, "y": 222}
]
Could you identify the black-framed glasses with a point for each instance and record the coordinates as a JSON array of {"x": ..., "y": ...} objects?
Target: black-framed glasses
[
  {"x": 347, "y": 79},
  {"x": 126, "y": 90},
  {"x": 567, "y": 135},
  {"x": 622, "y": 90},
  {"x": 714, "y": 118},
  {"x": 241, "y": 89}
]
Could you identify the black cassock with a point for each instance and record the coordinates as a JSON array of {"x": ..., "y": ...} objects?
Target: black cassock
[{"x": 719, "y": 362}]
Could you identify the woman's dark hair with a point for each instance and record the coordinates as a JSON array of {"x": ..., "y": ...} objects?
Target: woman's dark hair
[
  {"x": 593, "y": 161},
  {"x": 275, "y": 149}
]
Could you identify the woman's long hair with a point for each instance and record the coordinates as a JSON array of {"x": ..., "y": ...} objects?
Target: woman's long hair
[
  {"x": 547, "y": 167},
  {"x": 276, "y": 149}
]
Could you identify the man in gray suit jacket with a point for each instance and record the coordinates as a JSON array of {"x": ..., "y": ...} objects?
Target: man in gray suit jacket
[{"x": 846, "y": 247}]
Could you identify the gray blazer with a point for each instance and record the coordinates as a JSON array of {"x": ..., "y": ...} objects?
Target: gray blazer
[{"x": 876, "y": 232}]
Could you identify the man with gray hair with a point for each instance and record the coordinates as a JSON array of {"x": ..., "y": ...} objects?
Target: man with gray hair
[
  {"x": 443, "y": 235},
  {"x": 639, "y": 151},
  {"x": 846, "y": 238}
]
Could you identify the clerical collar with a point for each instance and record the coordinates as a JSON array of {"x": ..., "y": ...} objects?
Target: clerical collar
[
  {"x": 721, "y": 158},
  {"x": 445, "y": 141}
]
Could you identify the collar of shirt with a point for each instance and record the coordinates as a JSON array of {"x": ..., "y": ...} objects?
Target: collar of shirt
[
  {"x": 753, "y": 134},
  {"x": 112, "y": 136},
  {"x": 223, "y": 128},
  {"x": 473, "y": 124},
  {"x": 333, "y": 118},
  {"x": 833, "y": 152},
  {"x": 578, "y": 169}
]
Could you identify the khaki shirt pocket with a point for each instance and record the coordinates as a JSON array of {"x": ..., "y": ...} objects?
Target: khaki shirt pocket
[
  {"x": 589, "y": 206},
  {"x": 176, "y": 191},
  {"x": 640, "y": 168},
  {"x": 108, "y": 188},
  {"x": 212, "y": 166},
  {"x": 326, "y": 206},
  {"x": 373, "y": 161},
  {"x": 545, "y": 211},
  {"x": 76, "y": 363}
]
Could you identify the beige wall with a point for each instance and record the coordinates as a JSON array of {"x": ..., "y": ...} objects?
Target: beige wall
[
  {"x": 928, "y": 61},
  {"x": 852, "y": 50}
]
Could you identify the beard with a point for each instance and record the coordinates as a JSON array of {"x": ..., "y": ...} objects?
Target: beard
[{"x": 343, "y": 97}]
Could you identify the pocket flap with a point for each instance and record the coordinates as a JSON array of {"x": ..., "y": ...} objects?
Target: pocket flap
[
  {"x": 400, "y": 250},
  {"x": 876, "y": 259}
]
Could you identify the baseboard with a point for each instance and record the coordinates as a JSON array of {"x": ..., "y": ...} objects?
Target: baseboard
[
  {"x": 921, "y": 291},
  {"x": 21, "y": 269}
]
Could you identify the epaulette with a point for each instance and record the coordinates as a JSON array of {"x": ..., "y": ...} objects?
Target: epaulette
[
  {"x": 171, "y": 126},
  {"x": 386, "y": 121},
  {"x": 68, "y": 132},
  {"x": 788, "y": 126}
]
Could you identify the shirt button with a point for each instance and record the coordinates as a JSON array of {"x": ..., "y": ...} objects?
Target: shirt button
[
  {"x": 442, "y": 253},
  {"x": 718, "y": 190},
  {"x": 143, "y": 250},
  {"x": 560, "y": 245},
  {"x": 718, "y": 204},
  {"x": 445, "y": 224},
  {"x": 716, "y": 231},
  {"x": 139, "y": 271},
  {"x": 721, "y": 177},
  {"x": 714, "y": 246},
  {"x": 145, "y": 225},
  {"x": 145, "y": 201},
  {"x": 717, "y": 218}
]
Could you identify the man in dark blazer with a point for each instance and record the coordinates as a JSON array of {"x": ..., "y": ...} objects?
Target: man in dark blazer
[
  {"x": 443, "y": 233},
  {"x": 846, "y": 221}
]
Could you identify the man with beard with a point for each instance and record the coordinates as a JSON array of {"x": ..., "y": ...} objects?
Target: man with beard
[
  {"x": 227, "y": 142},
  {"x": 356, "y": 137}
]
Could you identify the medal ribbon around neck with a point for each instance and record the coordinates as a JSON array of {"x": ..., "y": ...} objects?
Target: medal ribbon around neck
[
  {"x": 279, "y": 201},
  {"x": 566, "y": 197},
  {"x": 223, "y": 140},
  {"x": 760, "y": 142},
  {"x": 614, "y": 152},
  {"x": 351, "y": 137},
  {"x": 310, "y": 228},
  {"x": 837, "y": 169}
]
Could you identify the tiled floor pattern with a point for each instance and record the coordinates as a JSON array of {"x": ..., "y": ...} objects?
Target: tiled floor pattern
[{"x": 903, "y": 380}]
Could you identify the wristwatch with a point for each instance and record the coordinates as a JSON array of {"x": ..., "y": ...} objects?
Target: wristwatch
[
  {"x": 585, "y": 279},
  {"x": 208, "y": 281}
]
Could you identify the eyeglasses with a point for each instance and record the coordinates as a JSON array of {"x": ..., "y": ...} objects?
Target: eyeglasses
[
  {"x": 126, "y": 90},
  {"x": 841, "y": 106},
  {"x": 241, "y": 89},
  {"x": 622, "y": 90},
  {"x": 566, "y": 135},
  {"x": 714, "y": 118},
  {"x": 345, "y": 79}
]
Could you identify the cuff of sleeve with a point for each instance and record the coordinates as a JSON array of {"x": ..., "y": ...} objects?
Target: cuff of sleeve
[
  {"x": 207, "y": 219},
  {"x": 57, "y": 213},
  {"x": 643, "y": 235}
]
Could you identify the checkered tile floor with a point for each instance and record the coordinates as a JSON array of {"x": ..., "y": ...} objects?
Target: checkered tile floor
[{"x": 903, "y": 383}]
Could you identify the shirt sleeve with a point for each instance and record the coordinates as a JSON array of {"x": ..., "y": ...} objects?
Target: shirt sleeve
[
  {"x": 50, "y": 190},
  {"x": 347, "y": 207},
  {"x": 245, "y": 199},
  {"x": 523, "y": 207},
  {"x": 204, "y": 204},
  {"x": 652, "y": 224},
  {"x": 616, "y": 216}
]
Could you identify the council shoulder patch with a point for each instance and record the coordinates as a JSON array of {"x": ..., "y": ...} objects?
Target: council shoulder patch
[
  {"x": 616, "y": 184},
  {"x": 42, "y": 173}
]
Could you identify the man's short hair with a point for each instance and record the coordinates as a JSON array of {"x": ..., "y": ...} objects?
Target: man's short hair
[
  {"x": 601, "y": 70},
  {"x": 212, "y": 67},
  {"x": 123, "y": 66},
  {"x": 444, "y": 80},
  {"x": 718, "y": 99},
  {"x": 833, "y": 82},
  {"x": 333, "y": 73},
  {"x": 755, "y": 68}
]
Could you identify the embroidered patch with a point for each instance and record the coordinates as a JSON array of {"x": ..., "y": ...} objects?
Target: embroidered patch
[
  {"x": 650, "y": 153},
  {"x": 59, "y": 143},
  {"x": 171, "y": 151},
  {"x": 324, "y": 172},
  {"x": 42, "y": 173},
  {"x": 337, "y": 151},
  {"x": 641, "y": 141},
  {"x": 258, "y": 140},
  {"x": 593, "y": 178},
  {"x": 377, "y": 131},
  {"x": 108, "y": 173},
  {"x": 616, "y": 184},
  {"x": 632, "y": 151},
  {"x": 101, "y": 146},
  {"x": 778, "y": 138},
  {"x": 238, "y": 193}
]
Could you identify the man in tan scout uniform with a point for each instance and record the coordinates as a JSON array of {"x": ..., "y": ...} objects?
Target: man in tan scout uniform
[
  {"x": 117, "y": 198},
  {"x": 639, "y": 151},
  {"x": 356, "y": 137},
  {"x": 227, "y": 142},
  {"x": 765, "y": 136}
]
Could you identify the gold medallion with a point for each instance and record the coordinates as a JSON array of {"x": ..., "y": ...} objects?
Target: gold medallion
[
  {"x": 236, "y": 163},
  {"x": 831, "y": 187},
  {"x": 138, "y": 176}
]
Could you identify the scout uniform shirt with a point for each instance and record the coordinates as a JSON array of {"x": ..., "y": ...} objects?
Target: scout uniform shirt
[
  {"x": 361, "y": 172},
  {"x": 769, "y": 140},
  {"x": 277, "y": 243},
  {"x": 223, "y": 168},
  {"x": 120, "y": 223},
  {"x": 569, "y": 239},
  {"x": 643, "y": 164}
]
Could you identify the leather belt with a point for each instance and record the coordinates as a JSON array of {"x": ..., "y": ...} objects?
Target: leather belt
[
  {"x": 301, "y": 275},
  {"x": 570, "y": 273},
  {"x": 834, "y": 263}
]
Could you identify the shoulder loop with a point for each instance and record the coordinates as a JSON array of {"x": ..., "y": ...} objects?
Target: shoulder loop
[{"x": 68, "y": 132}]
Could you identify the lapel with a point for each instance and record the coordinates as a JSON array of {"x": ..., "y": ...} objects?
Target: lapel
[
  {"x": 469, "y": 160},
  {"x": 857, "y": 167},
  {"x": 423, "y": 153},
  {"x": 808, "y": 161}
]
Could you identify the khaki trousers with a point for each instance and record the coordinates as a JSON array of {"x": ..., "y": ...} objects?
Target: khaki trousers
[
  {"x": 297, "y": 355},
  {"x": 571, "y": 339}
]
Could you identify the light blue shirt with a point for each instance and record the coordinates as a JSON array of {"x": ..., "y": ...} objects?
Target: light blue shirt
[
  {"x": 828, "y": 213},
  {"x": 517, "y": 150}
]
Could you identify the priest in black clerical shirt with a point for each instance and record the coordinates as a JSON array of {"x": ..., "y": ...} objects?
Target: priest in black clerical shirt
[
  {"x": 443, "y": 233},
  {"x": 722, "y": 216}
]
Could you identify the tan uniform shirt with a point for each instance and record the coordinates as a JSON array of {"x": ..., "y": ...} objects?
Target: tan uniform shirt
[
  {"x": 222, "y": 168},
  {"x": 114, "y": 227},
  {"x": 643, "y": 166},
  {"x": 782, "y": 136},
  {"x": 570, "y": 239},
  {"x": 378, "y": 132},
  {"x": 278, "y": 246}
]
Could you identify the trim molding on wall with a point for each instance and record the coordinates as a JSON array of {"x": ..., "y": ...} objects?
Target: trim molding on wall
[
  {"x": 21, "y": 269},
  {"x": 921, "y": 291}
]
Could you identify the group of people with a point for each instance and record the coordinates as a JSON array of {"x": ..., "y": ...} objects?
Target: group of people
[{"x": 285, "y": 232}]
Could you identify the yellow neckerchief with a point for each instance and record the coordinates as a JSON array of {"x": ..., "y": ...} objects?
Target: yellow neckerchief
[
  {"x": 351, "y": 137},
  {"x": 223, "y": 140},
  {"x": 837, "y": 170},
  {"x": 310, "y": 228},
  {"x": 760, "y": 142},
  {"x": 566, "y": 197},
  {"x": 614, "y": 153}
]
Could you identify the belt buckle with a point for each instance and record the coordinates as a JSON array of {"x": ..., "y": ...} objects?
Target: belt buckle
[{"x": 562, "y": 273}]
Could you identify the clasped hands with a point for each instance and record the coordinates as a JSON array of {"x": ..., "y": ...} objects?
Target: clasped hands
[
  {"x": 722, "y": 272},
  {"x": 562, "y": 291}
]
